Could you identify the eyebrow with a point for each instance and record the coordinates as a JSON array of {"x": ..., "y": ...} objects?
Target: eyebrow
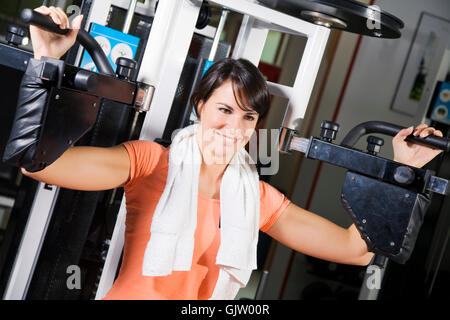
[{"x": 226, "y": 105}]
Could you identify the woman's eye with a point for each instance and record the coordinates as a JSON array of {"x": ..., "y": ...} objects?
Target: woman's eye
[{"x": 228, "y": 111}]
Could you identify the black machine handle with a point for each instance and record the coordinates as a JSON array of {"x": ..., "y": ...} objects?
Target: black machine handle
[
  {"x": 84, "y": 38},
  {"x": 391, "y": 129}
]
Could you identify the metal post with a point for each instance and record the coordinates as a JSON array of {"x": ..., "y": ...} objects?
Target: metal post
[
  {"x": 126, "y": 29},
  {"x": 31, "y": 243},
  {"x": 223, "y": 19},
  {"x": 261, "y": 285},
  {"x": 306, "y": 77},
  {"x": 373, "y": 278},
  {"x": 250, "y": 41},
  {"x": 129, "y": 17}
]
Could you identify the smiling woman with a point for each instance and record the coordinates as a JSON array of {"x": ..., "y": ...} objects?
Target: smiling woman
[
  {"x": 192, "y": 224},
  {"x": 249, "y": 87},
  {"x": 230, "y": 101},
  {"x": 225, "y": 127}
]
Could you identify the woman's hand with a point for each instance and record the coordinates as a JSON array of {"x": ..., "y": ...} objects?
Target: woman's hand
[
  {"x": 414, "y": 154},
  {"x": 50, "y": 44}
]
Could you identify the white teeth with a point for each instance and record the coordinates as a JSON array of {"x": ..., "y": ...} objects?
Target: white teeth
[{"x": 227, "y": 138}]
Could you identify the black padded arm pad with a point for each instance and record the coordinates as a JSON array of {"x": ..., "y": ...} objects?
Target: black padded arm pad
[
  {"x": 28, "y": 121},
  {"x": 387, "y": 216},
  {"x": 412, "y": 231}
]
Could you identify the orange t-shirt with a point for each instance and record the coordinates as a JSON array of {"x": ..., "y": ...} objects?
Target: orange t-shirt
[{"x": 148, "y": 174}]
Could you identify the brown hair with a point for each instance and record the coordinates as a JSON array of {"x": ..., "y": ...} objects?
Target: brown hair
[{"x": 249, "y": 85}]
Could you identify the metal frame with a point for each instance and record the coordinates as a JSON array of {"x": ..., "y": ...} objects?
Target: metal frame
[
  {"x": 14, "y": 58},
  {"x": 97, "y": 14},
  {"x": 250, "y": 43},
  {"x": 162, "y": 65},
  {"x": 31, "y": 243}
]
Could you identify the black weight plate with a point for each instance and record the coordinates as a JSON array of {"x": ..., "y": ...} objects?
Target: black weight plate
[
  {"x": 348, "y": 15},
  {"x": 204, "y": 16}
]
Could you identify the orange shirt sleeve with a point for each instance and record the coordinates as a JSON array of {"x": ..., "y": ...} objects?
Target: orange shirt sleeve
[
  {"x": 144, "y": 157},
  {"x": 273, "y": 203}
]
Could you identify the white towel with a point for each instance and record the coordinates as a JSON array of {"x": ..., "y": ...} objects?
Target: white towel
[{"x": 171, "y": 243}]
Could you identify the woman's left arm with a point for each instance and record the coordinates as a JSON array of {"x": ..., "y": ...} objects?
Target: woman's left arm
[
  {"x": 318, "y": 237},
  {"x": 315, "y": 236}
]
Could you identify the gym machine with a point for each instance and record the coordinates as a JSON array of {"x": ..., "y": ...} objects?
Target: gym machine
[
  {"x": 386, "y": 200},
  {"x": 172, "y": 28},
  {"x": 109, "y": 124},
  {"x": 426, "y": 275}
]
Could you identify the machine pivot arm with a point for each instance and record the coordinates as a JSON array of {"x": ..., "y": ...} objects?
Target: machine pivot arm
[
  {"x": 387, "y": 200},
  {"x": 365, "y": 163},
  {"x": 35, "y": 18}
]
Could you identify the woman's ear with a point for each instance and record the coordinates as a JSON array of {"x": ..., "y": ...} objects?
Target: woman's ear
[{"x": 200, "y": 105}]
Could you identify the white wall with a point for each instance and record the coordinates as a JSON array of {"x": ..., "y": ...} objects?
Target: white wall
[{"x": 370, "y": 90}]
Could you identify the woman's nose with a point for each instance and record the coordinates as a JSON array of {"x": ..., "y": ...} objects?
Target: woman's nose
[
  {"x": 235, "y": 123},
  {"x": 236, "y": 127}
]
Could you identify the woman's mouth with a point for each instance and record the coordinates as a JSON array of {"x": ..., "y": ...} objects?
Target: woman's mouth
[{"x": 227, "y": 139}]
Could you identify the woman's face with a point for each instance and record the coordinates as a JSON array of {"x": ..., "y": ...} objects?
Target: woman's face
[{"x": 224, "y": 127}]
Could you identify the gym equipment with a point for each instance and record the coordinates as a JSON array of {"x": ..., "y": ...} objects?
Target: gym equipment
[
  {"x": 74, "y": 94},
  {"x": 348, "y": 15},
  {"x": 387, "y": 200},
  {"x": 163, "y": 72},
  {"x": 28, "y": 250}
]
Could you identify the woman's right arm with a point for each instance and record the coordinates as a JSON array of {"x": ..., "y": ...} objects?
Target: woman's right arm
[
  {"x": 51, "y": 44},
  {"x": 87, "y": 168},
  {"x": 81, "y": 168}
]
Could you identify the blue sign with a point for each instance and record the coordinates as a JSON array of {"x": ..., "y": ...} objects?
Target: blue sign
[
  {"x": 441, "y": 108},
  {"x": 115, "y": 44},
  {"x": 206, "y": 67}
]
